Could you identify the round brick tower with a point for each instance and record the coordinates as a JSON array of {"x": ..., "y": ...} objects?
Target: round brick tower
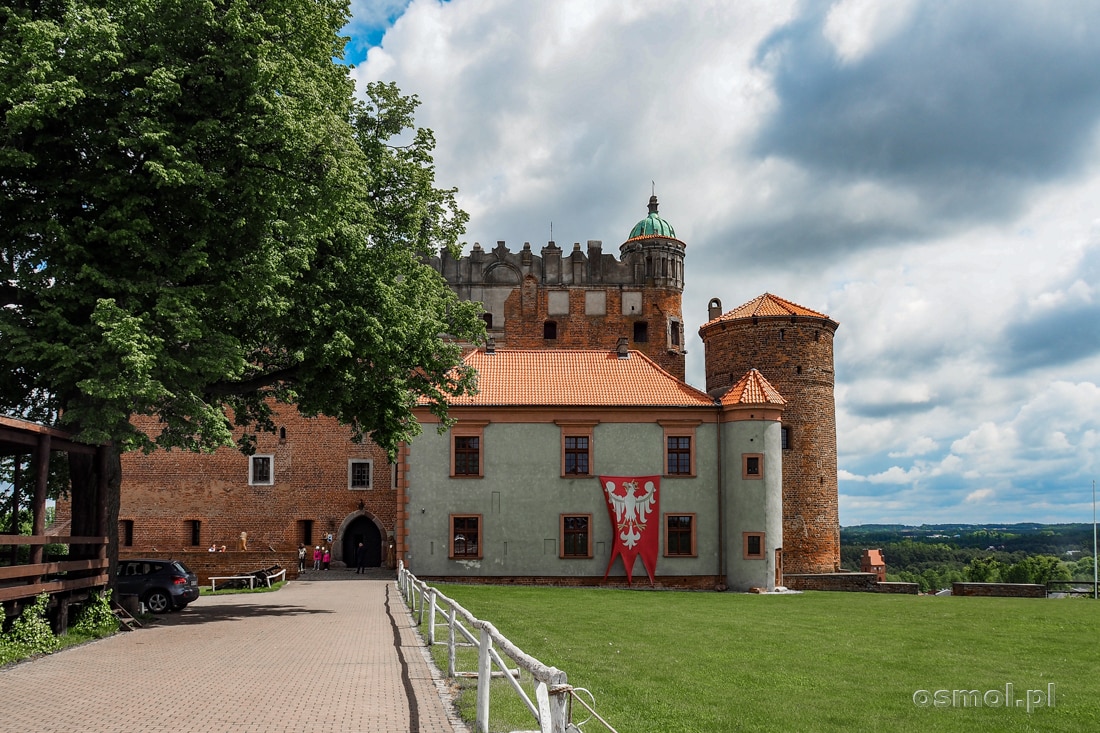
[{"x": 792, "y": 346}]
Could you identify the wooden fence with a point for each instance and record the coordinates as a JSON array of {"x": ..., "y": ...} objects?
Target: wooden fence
[{"x": 552, "y": 707}]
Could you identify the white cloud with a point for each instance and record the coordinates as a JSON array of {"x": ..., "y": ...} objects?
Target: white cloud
[
  {"x": 918, "y": 447},
  {"x": 855, "y": 27},
  {"x": 979, "y": 496}
]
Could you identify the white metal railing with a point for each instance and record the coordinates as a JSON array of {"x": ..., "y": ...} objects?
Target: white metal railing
[{"x": 552, "y": 706}]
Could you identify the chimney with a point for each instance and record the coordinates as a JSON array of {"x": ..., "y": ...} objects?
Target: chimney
[
  {"x": 621, "y": 348},
  {"x": 714, "y": 309},
  {"x": 490, "y": 345}
]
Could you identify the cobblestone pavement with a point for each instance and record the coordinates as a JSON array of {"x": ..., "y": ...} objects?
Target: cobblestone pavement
[{"x": 314, "y": 657}]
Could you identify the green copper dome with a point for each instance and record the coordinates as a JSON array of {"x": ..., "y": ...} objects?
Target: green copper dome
[{"x": 652, "y": 225}]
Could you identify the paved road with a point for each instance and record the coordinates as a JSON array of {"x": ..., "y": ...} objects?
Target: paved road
[{"x": 315, "y": 657}]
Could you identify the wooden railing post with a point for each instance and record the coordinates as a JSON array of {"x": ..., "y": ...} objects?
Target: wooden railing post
[
  {"x": 41, "y": 462},
  {"x": 484, "y": 679},
  {"x": 431, "y": 618},
  {"x": 558, "y": 704},
  {"x": 451, "y": 643}
]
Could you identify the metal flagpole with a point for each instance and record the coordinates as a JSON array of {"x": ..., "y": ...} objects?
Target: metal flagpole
[{"x": 1094, "y": 563}]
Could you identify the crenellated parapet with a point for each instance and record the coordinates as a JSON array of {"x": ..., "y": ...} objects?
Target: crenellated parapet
[{"x": 583, "y": 298}]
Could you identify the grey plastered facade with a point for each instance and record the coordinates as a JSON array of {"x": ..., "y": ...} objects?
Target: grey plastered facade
[{"x": 521, "y": 495}]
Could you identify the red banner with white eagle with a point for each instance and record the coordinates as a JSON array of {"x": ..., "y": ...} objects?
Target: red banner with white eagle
[{"x": 633, "y": 503}]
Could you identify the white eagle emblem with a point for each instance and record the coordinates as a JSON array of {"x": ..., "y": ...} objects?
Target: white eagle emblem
[{"x": 631, "y": 505}]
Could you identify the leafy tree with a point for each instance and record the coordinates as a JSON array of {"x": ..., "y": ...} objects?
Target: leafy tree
[
  {"x": 1083, "y": 569},
  {"x": 1037, "y": 569},
  {"x": 984, "y": 570},
  {"x": 199, "y": 219}
]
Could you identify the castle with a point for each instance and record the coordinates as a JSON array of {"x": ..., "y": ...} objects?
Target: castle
[{"x": 582, "y": 377}]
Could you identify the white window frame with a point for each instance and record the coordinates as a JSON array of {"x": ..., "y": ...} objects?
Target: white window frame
[
  {"x": 370, "y": 473},
  {"x": 270, "y": 470}
]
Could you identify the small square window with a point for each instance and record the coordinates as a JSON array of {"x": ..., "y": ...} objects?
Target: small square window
[
  {"x": 575, "y": 535},
  {"x": 679, "y": 535},
  {"x": 465, "y": 536},
  {"x": 785, "y": 437},
  {"x": 753, "y": 545},
  {"x": 752, "y": 465},
  {"x": 674, "y": 333},
  {"x": 641, "y": 332},
  {"x": 259, "y": 471},
  {"x": 550, "y": 330},
  {"x": 360, "y": 474},
  {"x": 126, "y": 532}
]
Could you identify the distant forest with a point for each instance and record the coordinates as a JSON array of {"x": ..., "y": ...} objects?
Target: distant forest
[{"x": 936, "y": 555}]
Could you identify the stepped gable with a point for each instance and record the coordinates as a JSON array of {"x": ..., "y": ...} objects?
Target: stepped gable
[
  {"x": 753, "y": 389},
  {"x": 767, "y": 306},
  {"x": 552, "y": 378}
]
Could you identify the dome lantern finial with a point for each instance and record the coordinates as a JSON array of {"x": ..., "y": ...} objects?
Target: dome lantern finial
[{"x": 653, "y": 225}]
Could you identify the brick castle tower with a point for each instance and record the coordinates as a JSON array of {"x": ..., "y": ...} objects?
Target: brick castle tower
[
  {"x": 582, "y": 300},
  {"x": 792, "y": 346}
]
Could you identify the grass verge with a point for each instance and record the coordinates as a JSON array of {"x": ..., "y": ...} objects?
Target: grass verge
[
  {"x": 668, "y": 661},
  {"x": 204, "y": 591}
]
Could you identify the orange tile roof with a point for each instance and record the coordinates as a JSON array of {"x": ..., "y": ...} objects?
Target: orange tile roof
[
  {"x": 874, "y": 557},
  {"x": 578, "y": 378},
  {"x": 766, "y": 305},
  {"x": 753, "y": 389}
]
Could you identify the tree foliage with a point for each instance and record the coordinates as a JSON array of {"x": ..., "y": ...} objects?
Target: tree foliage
[{"x": 200, "y": 218}]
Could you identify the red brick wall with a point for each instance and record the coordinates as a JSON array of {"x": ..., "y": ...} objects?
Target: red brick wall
[
  {"x": 859, "y": 582},
  {"x": 778, "y": 348},
  {"x": 526, "y": 310},
  {"x": 1008, "y": 590},
  {"x": 205, "y": 564},
  {"x": 163, "y": 491}
]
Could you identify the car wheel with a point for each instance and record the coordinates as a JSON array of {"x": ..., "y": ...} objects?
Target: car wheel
[{"x": 158, "y": 601}]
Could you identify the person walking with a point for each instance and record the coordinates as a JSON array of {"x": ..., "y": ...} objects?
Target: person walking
[
  {"x": 326, "y": 558},
  {"x": 301, "y": 557},
  {"x": 317, "y": 555},
  {"x": 360, "y": 559}
]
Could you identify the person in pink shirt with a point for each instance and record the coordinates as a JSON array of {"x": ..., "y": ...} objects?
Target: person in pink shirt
[
  {"x": 326, "y": 558},
  {"x": 317, "y": 555}
]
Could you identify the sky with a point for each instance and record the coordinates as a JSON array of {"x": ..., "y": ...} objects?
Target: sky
[{"x": 925, "y": 172}]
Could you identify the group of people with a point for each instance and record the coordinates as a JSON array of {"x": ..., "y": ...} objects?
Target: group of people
[{"x": 322, "y": 556}]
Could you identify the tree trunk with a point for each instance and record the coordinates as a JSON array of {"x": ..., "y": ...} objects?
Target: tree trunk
[{"x": 95, "y": 502}]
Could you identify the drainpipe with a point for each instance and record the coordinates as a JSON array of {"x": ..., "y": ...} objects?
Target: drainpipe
[{"x": 721, "y": 512}]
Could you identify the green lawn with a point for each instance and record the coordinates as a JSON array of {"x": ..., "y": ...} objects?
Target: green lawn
[{"x": 669, "y": 661}]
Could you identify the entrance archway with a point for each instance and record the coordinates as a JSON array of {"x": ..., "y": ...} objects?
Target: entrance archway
[{"x": 362, "y": 529}]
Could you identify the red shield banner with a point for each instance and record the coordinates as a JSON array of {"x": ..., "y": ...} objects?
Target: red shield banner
[{"x": 633, "y": 504}]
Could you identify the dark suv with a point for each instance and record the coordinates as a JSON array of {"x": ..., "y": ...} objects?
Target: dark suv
[{"x": 162, "y": 585}]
